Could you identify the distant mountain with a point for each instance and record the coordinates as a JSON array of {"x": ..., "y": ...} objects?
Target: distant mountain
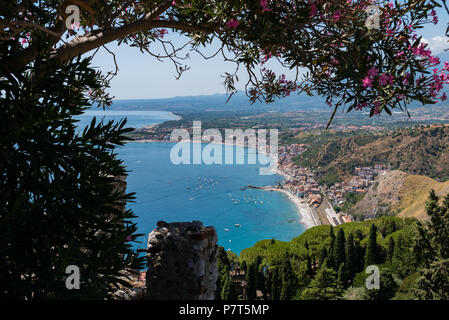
[
  {"x": 400, "y": 193},
  {"x": 238, "y": 102},
  {"x": 217, "y": 102}
]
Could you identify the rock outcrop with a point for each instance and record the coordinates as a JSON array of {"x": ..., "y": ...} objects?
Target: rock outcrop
[{"x": 182, "y": 262}]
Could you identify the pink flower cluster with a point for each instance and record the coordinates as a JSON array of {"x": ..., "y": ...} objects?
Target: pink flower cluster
[
  {"x": 264, "y": 5},
  {"x": 232, "y": 24}
]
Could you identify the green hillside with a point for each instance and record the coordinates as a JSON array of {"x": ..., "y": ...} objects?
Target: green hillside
[{"x": 422, "y": 150}]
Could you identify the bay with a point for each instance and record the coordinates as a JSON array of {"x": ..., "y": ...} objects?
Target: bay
[{"x": 212, "y": 194}]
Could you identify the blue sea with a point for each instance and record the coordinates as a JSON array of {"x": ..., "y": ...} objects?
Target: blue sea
[{"x": 209, "y": 193}]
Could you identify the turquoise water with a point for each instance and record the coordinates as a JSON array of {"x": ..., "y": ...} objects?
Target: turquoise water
[{"x": 209, "y": 193}]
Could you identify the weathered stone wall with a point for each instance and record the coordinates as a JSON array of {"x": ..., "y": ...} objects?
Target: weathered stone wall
[{"x": 182, "y": 262}]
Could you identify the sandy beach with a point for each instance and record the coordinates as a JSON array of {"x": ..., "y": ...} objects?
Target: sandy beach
[{"x": 306, "y": 215}]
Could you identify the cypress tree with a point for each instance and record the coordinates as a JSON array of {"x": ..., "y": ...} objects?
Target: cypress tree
[
  {"x": 371, "y": 255},
  {"x": 350, "y": 257},
  {"x": 390, "y": 250},
  {"x": 288, "y": 282},
  {"x": 243, "y": 266},
  {"x": 339, "y": 248},
  {"x": 322, "y": 256},
  {"x": 359, "y": 257},
  {"x": 275, "y": 284},
  {"x": 251, "y": 282},
  {"x": 330, "y": 258},
  {"x": 332, "y": 235},
  {"x": 342, "y": 276},
  {"x": 228, "y": 291}
]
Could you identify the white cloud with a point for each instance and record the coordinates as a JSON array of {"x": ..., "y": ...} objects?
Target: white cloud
[{"x": 437, "y": 44}]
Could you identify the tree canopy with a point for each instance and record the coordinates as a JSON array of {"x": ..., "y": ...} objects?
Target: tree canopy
[{"x": 335, "y": 52}]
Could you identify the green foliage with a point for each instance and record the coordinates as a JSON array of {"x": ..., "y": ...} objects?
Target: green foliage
[
  {"x": 405, "y": 261},
  {"x": 339, "y": 248},
  {"x": 372, "y": 249},
  {"x": 351, "y": 257},
  {"x": 390, "y": 251},
  {"x": 59, "y": 204},
  {"x": 323, "y": 287},
  {"x": 433, "y": 247},
  {"x": 342, "y": 276},
  {"x": 251, "y": 281},
  {"x": 407, "y": 288},
  {"x": 288, "y": 281},
  {"x": 224, "y": 266},
  {"x": 228, "y": 292},
  {"x": 387, "y": 287},
  {"x": 351, "y": 199}
]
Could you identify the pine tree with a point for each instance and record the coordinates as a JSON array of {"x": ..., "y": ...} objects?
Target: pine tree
[
  {"x": 323, "y": 287},
  {"x": 433, "y": 248},
  {"x": 339, "y": 248},
  {"x": 387, "y": 286},
  {"x": 371, "y": 255}
]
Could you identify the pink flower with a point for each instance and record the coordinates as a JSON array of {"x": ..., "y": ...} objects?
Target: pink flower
[
  {"x": 129, "y": 238},
  {"x": 232, "y": 24},
  {"x": 313, "y": 10},
  {"x": 373, "y": 72},
  {"x": 446, "y": 66},
  {"x": 385, "y": 79},
  {"x": 367, "y": 82},
  {"x": 264, "y": 5},
  {"x": 337, "y": 15}
]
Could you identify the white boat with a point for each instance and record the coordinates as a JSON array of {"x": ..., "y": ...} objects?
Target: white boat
[
  {"x": 227, "y": 230},
  {"x": 237, "y": 225}
]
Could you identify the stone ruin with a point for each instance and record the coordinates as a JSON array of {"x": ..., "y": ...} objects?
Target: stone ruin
[{"x": 182, "y": 262}]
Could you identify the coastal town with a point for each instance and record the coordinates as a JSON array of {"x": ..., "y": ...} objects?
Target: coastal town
[
  {"x": 302, "y": 183},
  {"x": 316, "y": 203}
]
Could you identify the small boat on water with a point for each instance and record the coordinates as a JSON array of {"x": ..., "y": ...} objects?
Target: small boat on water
[
  {"x": 237, "y": 225},
  {"x": 227, "y": 230}
]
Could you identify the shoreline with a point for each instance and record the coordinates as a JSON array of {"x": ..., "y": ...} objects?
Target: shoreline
[
  {"x": 303, "y": 209},
  {"x": 306, "y": 218}
]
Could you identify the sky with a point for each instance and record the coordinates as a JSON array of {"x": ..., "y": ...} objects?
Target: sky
[{"x": 142, "y": 76}]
